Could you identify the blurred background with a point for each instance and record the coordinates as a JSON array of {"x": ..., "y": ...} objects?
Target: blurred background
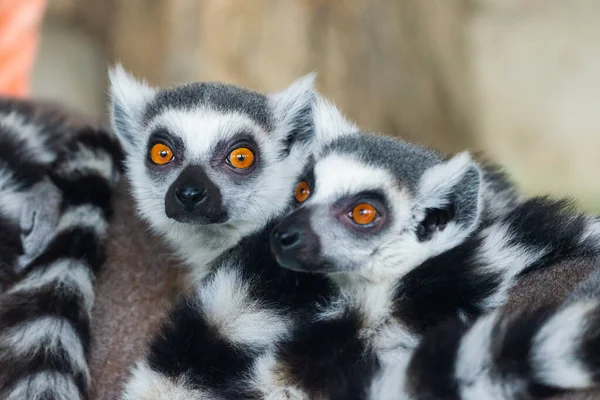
[{"x": 518, "y": 79}]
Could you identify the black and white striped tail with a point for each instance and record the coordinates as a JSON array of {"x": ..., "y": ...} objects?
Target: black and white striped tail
[
  {"x": 526, "y": 355},
  {"x": 45, "y": 314}
]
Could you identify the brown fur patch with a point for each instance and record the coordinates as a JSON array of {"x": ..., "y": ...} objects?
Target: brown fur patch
[{"x": 133, "y": 291}]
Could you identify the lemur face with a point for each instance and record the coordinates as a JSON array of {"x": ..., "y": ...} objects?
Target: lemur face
[
  {"x": 375, "y": 207},
  {"x": 211, "y": 153}
]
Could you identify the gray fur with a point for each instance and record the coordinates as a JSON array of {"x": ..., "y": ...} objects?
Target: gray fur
[
  {"x": 218, "y": 96},
  {"x": 406, "y": 161},
  {"x": 39, "y": 216}
]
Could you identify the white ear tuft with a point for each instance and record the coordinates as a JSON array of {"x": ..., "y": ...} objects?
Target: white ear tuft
[
  {"x": 330, "y": 123},
  {"x": 441, "y": 180},
  {"x": 454, "y": 184},
  {"x": 128, "y": 99},
  {"x": 292, "y": 109}
]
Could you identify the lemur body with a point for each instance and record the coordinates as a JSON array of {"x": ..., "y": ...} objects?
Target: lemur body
[
  {"x": 56, "y": 184},
  {"x": 547, "y": 351},
  {"x": 403, "y": 235},
  {"x": 233, "y": 157},
  {"x": 244, "y": 288}
]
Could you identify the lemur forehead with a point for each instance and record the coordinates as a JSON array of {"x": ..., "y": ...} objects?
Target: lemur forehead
[
  {"x": 213, "y": 95},
  {"x": 339, "y": 174},
  {"x": 405, "y": 162},
  {"x": 201, "y": 129}
]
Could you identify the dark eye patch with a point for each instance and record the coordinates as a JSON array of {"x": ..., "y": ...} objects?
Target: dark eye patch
[
  {"x": 344, "y": 206},
  {"x": 174, "y": 142},
  {"x": 221, "y": 150}
]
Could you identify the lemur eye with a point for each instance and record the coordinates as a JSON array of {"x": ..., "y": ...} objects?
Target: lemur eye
[
  {"x": 363, "y": 214},
  {"x": 302, "y": 192},
  {"x": 241, "y": 158},
  {"x": 161, "y": 154}
]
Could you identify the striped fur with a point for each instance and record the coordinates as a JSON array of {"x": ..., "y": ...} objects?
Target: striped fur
[
  {"x": 377, "y": 324},
  {"x": 46, "y": 303},
  {"x": 524, "y": 355}
]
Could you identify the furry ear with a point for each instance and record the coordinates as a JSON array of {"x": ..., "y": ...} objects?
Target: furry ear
[
  {"x": 449, "y": 195},
  {"x": 292, "y": 109},
  {"x": 329, "y": 123},
  {"x": 128, "y": 99}
]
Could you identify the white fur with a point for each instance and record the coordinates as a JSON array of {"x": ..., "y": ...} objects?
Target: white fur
[
  {"x": 44, "y": 385},
  {"x": 340, "y": 175},
  {"x": 398, "y": 250},
  {"x": 498, "y": 255},
  {"x": 146, "y": 384},
  {"x": 249, "y": 207},
  {"x": 29, "y": 133},
  {"x": 45, "y": 335},
  {"x": 592, "y": 231},
  {"x": 86, "y": 215},
  {"x": 474, "y": 360},
  {"x": 85, "y": 160},
  {"x": 265, "y": 380},
  {"x": 11, "y": 197},
  {"x": 389, "y": 383},
  {"x": 131, "y": 96},
  {"x": 226, "y": 301},
  {"x": 289, "y": 102},
  {"x": 555, "y": 348},
  {"x": 435, "y": 186},
  {"x": 330, "y": 123},
  {"x": 71, "y": 274}
]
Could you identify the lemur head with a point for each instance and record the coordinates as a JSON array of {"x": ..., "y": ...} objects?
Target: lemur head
[
  {"x": 377, "y": 206},
  {"x": 211, "y": 159}
]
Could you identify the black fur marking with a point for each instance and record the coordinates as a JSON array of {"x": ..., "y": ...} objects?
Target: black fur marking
[
  {"x": 441, "y": 287},
  {"x": 430, "y": 374},
  {"x": 175, "y": 143},
  {"x": 589, "y": 351},
  {"x": 16, "y": 159},
  {"x": 512, "y": 339},
  {"x": 280, "y": 289},
  {"x": 10, "y": 249},
  {"x": 78, "y": 243},
  {"x": 46, "y": 301},
  {"x": 99, "y": 140},
  {"x": 218, "y": 96},
  {"x": 188, "y": 344},
  {"x": 328, "y": 357},
  {"x": 554, "y": 225},
  {"x": 89, "y": 189},
  {"x": 57, "y": 361}
]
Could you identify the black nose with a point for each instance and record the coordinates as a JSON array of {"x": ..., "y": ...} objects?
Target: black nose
[
  {"x": 287, "y": 239},
  {"x": 190, "y": 196}
]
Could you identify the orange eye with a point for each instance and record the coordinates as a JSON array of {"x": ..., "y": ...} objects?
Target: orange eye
[
  {"x": 241, "y": 158},
  {"x": 302, "y": 192},
  {"x": 364, "y": 214},
  {"x": 161, "y": 154}
]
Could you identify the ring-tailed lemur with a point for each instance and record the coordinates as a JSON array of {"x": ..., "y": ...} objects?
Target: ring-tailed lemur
[
  {"x": 240, "y": 309},
  {"x": 531, "y": 354},
  {"x": 210, "y": 162},
  {"x": 56, "y": 183},
  {"x": 399, "y": 230},
  {"x": 212, "y": 166}
]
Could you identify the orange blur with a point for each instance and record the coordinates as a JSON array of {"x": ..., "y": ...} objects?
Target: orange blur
[{"x": 20, "y": 22}]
